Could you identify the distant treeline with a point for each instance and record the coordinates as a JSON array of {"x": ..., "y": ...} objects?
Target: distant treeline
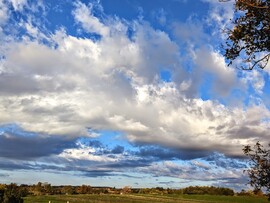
[
  {"x": 48, "y": 189},
  {"x": 208, "y": 190},
  {"x": 14, "y": 193}
]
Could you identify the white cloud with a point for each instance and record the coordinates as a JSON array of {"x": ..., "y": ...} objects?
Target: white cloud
[
  {"x": 192, "y": 171},
  {"x": 191, "y": 32},
  {"x": 199, "y": 55},
  {"x": 84, "y": 153},
  {"x": 254, "y": 78},
  {"x": 114, "y": 84},
  {"x": 89, "y": 22},
  {"x": 220, "y": 17},
  {"x": 213, "y": 63},
  {"x": 18, "y": 5},
  {"x": 160, "y": 16},
  {"x": 33, "y": 31},
  {"x": 3, "y": 13},
  {"x": 79, "y": 85}
]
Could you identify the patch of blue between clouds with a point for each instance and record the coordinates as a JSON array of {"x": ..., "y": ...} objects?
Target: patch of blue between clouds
[
  {"x": 108, "y": 137},
  {"x": 206, "y": 87},
  {"x": 56, "y": 17},
  {"x": 165, "y": 75},
  {"x": 15, "y": 129},
  {"x": 266, "y": 91}
]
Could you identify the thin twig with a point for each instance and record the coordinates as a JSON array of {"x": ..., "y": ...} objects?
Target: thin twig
[{"x": 248, "y": 4}]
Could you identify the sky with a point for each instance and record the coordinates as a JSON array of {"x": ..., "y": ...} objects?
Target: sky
[{"x": 125, "y": 93}]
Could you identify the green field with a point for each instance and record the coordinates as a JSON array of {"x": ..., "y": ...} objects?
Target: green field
[{"x": 137, "y": 198}]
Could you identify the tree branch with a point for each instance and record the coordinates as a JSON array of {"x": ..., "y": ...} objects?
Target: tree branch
[
  {"x": 253, "y": 5},
  {"x": 263, "y": 58},
  {"x": 248, "y": 4}
]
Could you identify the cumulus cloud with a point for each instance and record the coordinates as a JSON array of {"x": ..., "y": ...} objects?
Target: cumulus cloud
[
  {"x": 61, "y": 89},
  {"x": 83, "y": 14}
]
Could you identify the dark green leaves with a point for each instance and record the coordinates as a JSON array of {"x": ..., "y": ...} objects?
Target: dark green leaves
[
  {"x": 250, "y": 37},
  {"x": 259, "y": 161}
]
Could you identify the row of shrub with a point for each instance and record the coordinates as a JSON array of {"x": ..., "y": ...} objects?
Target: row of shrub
[
  {"x": 201, "y": 190},
  {"x": 10, "y": 194}
]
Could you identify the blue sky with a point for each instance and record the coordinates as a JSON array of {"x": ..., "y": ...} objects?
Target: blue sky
[{"x": 125, "y": 92}]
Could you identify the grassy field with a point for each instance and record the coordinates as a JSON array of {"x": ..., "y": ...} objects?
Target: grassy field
[{"x": 136, "y": 198}]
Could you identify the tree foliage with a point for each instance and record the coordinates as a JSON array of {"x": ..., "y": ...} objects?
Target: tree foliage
[
  {"x": 11, "y": 194},
  {"x": 2, "y": 192},
  {"x": 203, "y": 190},
  {"x": 250, "y": 37},
  {"x": 259, "y": 161}
]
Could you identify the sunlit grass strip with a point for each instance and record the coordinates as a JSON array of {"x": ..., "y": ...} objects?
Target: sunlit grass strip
[{"x": 143, "y": 198}]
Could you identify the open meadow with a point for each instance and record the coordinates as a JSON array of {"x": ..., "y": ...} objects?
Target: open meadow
[{"x": 131, "y": 198}]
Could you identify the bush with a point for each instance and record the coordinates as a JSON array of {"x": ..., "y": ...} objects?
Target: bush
[
  {"x": 11, "y": 194},
  {"x": 202, "y": 190}
]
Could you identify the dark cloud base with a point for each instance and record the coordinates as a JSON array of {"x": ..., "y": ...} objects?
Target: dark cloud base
[{"x": 15, "y": 143}]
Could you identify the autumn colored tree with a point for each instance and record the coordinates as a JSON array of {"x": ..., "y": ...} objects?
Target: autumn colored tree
[
  {"x": 126, "y": 190},
  {"x": 249, "y": 39},
  {"x": 68, "y": 189},
  {"x": 259, "y": 166},
  {"x": 84, "y": 189},
  {"x": 12, "y": 194}
]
